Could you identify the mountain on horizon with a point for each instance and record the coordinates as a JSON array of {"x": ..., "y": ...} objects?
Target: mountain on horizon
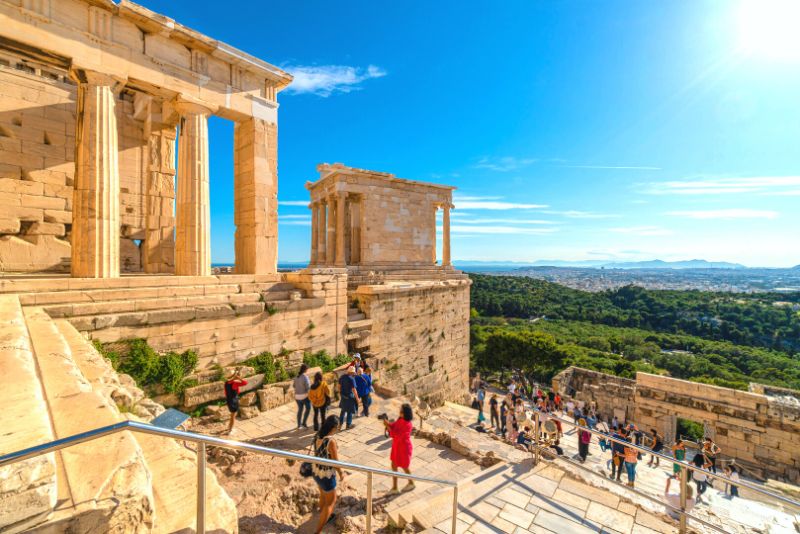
[
  {"x": 686, "y": 264},
  {"x": 647, "y": 264}
]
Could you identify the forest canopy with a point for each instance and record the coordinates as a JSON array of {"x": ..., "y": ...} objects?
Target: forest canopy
[{"x": 718, "y": 338}]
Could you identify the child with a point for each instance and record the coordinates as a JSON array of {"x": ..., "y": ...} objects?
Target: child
[{"x": 732, "y": 473}]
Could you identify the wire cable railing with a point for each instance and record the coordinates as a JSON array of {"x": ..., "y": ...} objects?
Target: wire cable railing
[
  {"x": 683, "y": 476},
  {"x": 202, "y": 441}
]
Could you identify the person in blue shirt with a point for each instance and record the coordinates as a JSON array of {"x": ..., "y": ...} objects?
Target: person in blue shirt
[
  {"x": 364, "y": 390},
  {"x": 348, "y": 398}
]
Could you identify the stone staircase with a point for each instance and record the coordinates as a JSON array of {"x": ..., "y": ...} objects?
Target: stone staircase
[
  {"x": 57, "y": 386},
  {"x": 358, "y": 328}
]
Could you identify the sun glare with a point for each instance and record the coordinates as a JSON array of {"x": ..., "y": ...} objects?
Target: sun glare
[{"x": 770, "y": 29}]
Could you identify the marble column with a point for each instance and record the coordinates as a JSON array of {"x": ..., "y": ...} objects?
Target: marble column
[
  {"x": 433, "y": 234},
  {"x": 95, "y": 198},
  {"x": 192, "y": 221},
  {"x": 446, "y": 236},
  {"x": 330, "y": 239},
  {"x": 255, "y": 183},
  {"x": 341, "y": 198},
  {"x": 322, "y": 232},
  {"x": 314, "y": 237}
]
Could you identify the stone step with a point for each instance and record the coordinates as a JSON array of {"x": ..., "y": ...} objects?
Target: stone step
[
  {"x": 166, "y": 315},
  {"x": 27, "y": 488},
  {"x": 355, "y": 326},
  {"x": 32, "y": 284},
  {"x": 138, "y": 304},
  {"x": 434, "y": 508},
  {"x": 106, "y": 480},
  {"x": 172, "y": 467},
  {"x": 354, "y": 314},
  {"x": 101, "y": 295},
  {"x": 272, "y": 296}
]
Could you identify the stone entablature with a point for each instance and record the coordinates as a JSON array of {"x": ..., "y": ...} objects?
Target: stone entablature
[
  {"x": 374, "y": 219},
  {"x": 92, "y": 94},
  {"x": 760, "y": 432}
]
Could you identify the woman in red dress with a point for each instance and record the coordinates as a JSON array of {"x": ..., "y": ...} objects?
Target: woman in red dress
[{"x": 400, "y": 432}]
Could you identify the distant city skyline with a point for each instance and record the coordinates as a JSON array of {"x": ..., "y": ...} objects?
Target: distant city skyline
[{"x": 618, "y": 131}]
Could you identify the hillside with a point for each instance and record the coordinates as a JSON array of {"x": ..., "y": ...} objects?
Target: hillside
[{"x": 541, "y": 327}]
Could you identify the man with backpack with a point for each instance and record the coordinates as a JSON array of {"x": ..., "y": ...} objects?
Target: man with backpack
[{"x": 232, "y": 386}]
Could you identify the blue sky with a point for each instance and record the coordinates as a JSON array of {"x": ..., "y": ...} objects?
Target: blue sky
[{"x": 572, "y": 129}]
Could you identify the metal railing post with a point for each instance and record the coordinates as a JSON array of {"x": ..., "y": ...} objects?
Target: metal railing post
[
  {"x": 536, "y": 432},
  {"x": 455, "y": 510},
  {"x": 684, "y": 482},
  {"x": 369, "y": 503},
  {"x": 201, "y": 488}
]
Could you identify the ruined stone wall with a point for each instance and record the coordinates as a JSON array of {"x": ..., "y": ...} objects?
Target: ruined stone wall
[
  {"x": 224, "y": 335},
  {"x": 612, "y": 395},
  {"x": 762, "y": 433},
  {"x": 37, "y": 169},
  {"x": 420, "y": 336}
]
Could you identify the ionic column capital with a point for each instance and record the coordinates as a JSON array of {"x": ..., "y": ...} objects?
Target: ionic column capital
[{"x": 189, "y": 106}]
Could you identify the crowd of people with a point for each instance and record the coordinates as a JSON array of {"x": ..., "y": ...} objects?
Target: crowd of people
[{"x": 510, "y": 417}]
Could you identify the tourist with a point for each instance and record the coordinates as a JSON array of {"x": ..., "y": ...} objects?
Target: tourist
[
  {"x": 511, "y": 434},
  {"x": 325, "y": 476},
  {"x": 524, "y": 439},
  {"x": 584, "y": 438},
  {"x": 617, "y": 455},
  {"x": 700, "y": 478},
  {"x": 494, "y": 417},
  {"x": 710, "y": 452},
  {"x": 656, "y": 445},
  {"x": 364, "y": 390},
  {"x": 348, "y": 397},
  {"x": 591, "y": 419},
  {"x": 476, "y": 383},
  {"x": 631, "y": 456},
  {"x": 679, "y": 453},
  {"x": 232, "y": 386},
  {"x": 557, "y": 401},
  {"x": 732, "y": 473},
  {"x": 570, "y": 408},
  {"x": 674, "y": 501},
  {"x": 301, "y": 386},
  {"x": 615, "y": 424},
  {"x": 355, "y": 363},
  {"x": 481, "y": 417},
  {"x": 481, "y": 396},
  {"x": 400, "y": 431},
  {"x": 503, "y": 412},
  {"x": 512, "y": 387},
  {"x": 320, "y": 397}
]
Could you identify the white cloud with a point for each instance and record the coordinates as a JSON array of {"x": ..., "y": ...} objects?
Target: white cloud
[
  {"x": 324, "y": 80},
  {"x": 303, "y": 203},
  {"x": 771, "y": 185},
  {"x": 646, "y": 231},
  {"x": 574, "y": 214},
  {"x": 503, "y": 221},
  {"x": 301, "y": 217},
  {"x": 726, "y": 214},
  {"x": 495, "y": 230},
  {"x": 504, "y": 164},
  {"x": 497, "y": 205},
  {"x": 491, "y": 203},
  {"x": 295, "y": 222},
  {"x": 614, "y": 167}
]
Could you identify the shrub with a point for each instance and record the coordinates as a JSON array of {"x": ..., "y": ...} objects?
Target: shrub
[
  {"x": 147, "y": 367},
  {"x": 324, "y": 360},
  {"x": 265, "y": 363}
]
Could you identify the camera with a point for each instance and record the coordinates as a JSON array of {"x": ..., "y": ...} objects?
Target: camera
[{"x": 383, "y": 416}]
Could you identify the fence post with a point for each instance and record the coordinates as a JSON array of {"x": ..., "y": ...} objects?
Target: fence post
[
  {"x": 201, "y": 488},
  {"x": 369, "y": 502},
  {"x": 684, "y": 481},
  {"x": 455, "y": 509},
  {"x": 536, "y": 432}
]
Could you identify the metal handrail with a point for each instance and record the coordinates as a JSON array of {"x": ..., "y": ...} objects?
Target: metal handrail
[
  {"x": 202, "y": 441},
  {"x": 686, "y": 467}
]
